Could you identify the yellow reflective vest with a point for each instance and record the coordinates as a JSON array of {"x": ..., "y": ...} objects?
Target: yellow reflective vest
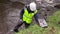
[{"x": 28, "y": 16}]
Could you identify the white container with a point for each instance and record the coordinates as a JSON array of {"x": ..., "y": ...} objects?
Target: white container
[{"x": 42, "y": 23}]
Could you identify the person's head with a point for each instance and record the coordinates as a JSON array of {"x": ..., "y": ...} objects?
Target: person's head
[{"x": 32, "y": 6}]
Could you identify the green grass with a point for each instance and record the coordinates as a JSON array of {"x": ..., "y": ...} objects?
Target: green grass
[{"x": 53, "y": 26}]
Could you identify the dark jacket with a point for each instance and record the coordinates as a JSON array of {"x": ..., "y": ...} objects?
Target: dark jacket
[{"x": 22, "y": 12}]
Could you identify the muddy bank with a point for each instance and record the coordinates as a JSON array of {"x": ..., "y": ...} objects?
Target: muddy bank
[{"x": 9, "y": 16}]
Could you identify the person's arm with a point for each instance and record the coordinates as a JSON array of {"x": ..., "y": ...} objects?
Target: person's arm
[
  {"x": 36, "y": 16},
  {"x": 21, "y": 13}
]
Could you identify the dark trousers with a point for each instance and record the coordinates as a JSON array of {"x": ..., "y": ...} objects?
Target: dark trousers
[{"x": 20, "y": 24}]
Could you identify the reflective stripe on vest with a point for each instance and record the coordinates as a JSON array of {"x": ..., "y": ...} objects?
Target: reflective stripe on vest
[{"x": 28, "y": 16}]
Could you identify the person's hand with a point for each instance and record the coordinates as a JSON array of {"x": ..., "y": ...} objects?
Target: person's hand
[{"x": 20, "y": 19}]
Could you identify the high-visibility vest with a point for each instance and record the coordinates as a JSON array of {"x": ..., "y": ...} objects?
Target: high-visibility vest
[{"x": 28, "y": 16}]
